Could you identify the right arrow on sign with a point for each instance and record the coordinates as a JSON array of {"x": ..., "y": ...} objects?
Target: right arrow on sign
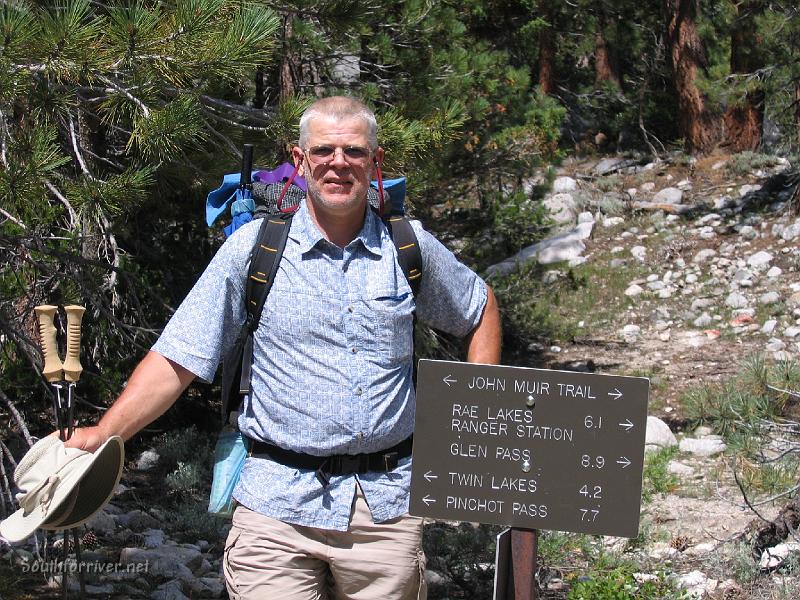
[
  {"x": 623, "y": 460},
  {"x": 616, "y": 394},
  {"x": 428, "y": 500},
  {"x": 626, "y": 424}
]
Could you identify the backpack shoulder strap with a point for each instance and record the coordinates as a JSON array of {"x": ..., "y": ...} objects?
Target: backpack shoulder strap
[
  {"x": 264, "y": 260},
  {"x": 408, "y": 253}
]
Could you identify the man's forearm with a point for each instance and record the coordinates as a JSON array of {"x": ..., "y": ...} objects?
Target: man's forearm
[
  {"x": 485, "y": 341},
  {"x": 153, "y": 387}
]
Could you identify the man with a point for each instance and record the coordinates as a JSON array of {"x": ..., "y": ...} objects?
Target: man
[{"x": 332, "y": 376}]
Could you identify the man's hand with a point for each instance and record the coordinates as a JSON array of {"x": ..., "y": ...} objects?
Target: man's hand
[{"x": 86, "y": 438}]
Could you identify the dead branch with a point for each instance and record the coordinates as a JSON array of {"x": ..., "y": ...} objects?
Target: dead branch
[{"x": 17, "y": 417}]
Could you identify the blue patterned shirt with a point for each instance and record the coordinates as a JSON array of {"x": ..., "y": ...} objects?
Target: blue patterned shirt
[{"x": 332, "y": 358}]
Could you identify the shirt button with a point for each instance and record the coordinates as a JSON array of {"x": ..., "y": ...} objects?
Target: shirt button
[
  {"x": 344, "y": 267},
  {"x": 353, "y": 350},
  {"x": 350, "y": 308},
  {"x": 358, "y": 391},
  {"x": 360, "y": 436}
]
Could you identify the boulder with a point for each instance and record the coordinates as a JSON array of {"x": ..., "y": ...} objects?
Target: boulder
[
  {"x": 669, "y": 195},
  {"x": 658, "y": 434}
]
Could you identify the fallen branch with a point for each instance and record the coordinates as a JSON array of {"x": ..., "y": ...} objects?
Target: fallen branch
[{"x": 675, "y": 209}]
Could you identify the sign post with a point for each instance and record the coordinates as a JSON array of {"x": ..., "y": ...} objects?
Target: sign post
[{"x": 529, "y": 448}]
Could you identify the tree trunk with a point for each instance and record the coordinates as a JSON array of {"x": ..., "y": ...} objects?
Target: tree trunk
[
  {"x": 547, "y": 49},
  {"x": 699, "y": 128},
  {"x": 287, "y": 75},
  {"x": 744, "y": 119},
  {"x": 604, "y": 65}
]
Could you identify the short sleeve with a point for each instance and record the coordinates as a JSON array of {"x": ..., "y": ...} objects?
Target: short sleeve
[
  {"x": 451, "y": 296},
  {"x": 207, "y": 323}
]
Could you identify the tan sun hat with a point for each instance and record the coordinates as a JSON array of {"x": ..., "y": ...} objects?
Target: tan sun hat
[{"x": 62, "y": 487}]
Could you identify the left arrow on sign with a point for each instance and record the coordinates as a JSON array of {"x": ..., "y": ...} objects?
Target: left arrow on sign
[
  {"x": 428, "y": 500},
  {"x": 430, "y": 476},
  {"x": 449, "y": 381}
]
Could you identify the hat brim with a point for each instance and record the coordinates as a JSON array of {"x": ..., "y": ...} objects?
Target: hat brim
[{"x": 101, "y": 475}]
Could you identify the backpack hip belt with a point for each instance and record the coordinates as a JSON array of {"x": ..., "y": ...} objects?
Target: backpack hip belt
[{"x": 338, "y": 464}]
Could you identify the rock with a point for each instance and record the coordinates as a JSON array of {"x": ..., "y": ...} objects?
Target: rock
[
  {"x": 769, "y": 298},
  {"x": 791, "y": 332},
  {"x": 153, "y": 538},
  {"x": 639, "y": 253},
  {"x": 774, "y": 557},
  {"x": 586, "y": 217},
  {"x": 704, "y": 255},
  {"x": 608, "y": 165},
  {"x": 703, "y": 431},
  {"x": 171, "y": 590},
  {"x": 559, "y": 248},
  {"x": 206, "y": 587},
  {"x": 170, "y": 562},
  {"x": 702, "y": 447},
  {"x": 741, "y": 320},
  {"x": 775, "y": 345},
  {"x": 736, "y": 300},
  {"x": 634, "y": 290},
  {"x": 102, "y": 522},
  {"x": 552, "y": 276},
  {"x": 774, "y": 272},
  {"x": 670, "y": 195},
  {"x": 658, "y": 434},
  {"x": 136, "y": 520},
  {"x": 759, "y": 259},
  {"x": 701, "y": 549},
  {"x": 562, "y": 208},
  {"x": 147, "y": 460},
  {"x": 703, "y": 320},
  {"x": 769, "y": 326},
  {"x": 564, "y": 184},
  {"x": 747, "y": 188},
  {"x": 612, "y": 221},
  {"x": 631, "y": 332},
  {"x": 697, "y": 583},
  {"x": 791, "y": 232},
  {"x": 681, "y": 469}
]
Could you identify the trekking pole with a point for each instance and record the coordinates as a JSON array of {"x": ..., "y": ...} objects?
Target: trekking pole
[
  {"x": 72, "y": 373},
  {"x": 59, "y": 374}
]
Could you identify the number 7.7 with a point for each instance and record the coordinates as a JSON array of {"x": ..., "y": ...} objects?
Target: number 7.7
[{"x": 589, "y": 514}]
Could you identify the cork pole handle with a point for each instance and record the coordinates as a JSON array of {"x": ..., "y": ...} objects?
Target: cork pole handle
[
  {"x": 47, "y": 340},
  {"x": 72, "y": 362}
]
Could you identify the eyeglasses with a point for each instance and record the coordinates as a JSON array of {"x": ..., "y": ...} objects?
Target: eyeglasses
[{"x": 354, "y": 155}]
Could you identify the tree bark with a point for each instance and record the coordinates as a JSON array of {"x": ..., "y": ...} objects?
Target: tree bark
[
  {"x": 700, "y": 129},
  {"x": 744, "y": 120},
  {"x": 547, "y": 49},
  {"x": 604, "y": 64}
]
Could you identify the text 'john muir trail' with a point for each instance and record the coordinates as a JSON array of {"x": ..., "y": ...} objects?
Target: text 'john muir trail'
[
  {"x": 537, "y": 388},
  {"x": 516, "y": 422}
]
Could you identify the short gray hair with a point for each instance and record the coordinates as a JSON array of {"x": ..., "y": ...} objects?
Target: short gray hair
[{"x": 339, "y": 108}]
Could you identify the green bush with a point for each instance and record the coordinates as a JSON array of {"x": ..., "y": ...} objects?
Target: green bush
[
  {"x": 620, "y": 584},
  {"x": 657, "y": 479}
]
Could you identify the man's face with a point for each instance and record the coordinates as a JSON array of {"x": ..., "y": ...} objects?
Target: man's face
[{"x": 338, "y": 183}]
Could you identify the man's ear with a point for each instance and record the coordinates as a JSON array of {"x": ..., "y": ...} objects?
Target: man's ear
[{"x": 297, "y": 157}]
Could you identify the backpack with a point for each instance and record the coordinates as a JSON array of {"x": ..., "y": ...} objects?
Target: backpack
[{"x": 274, "y": 199}]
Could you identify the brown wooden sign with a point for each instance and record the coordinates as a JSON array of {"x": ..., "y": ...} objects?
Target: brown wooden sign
[{"x": 530, "y": 448}]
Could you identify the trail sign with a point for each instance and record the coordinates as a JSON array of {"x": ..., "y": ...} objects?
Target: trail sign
[{"x": 532, "y": 448}]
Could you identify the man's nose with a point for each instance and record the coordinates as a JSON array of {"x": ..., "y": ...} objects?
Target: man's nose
[{"x": 338, "y": 159}]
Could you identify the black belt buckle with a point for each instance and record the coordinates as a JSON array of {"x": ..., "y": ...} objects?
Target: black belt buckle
[{"x": 352, "y": 463}]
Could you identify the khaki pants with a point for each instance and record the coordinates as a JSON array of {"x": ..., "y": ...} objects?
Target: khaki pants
[{"x": 266, "y": 558}]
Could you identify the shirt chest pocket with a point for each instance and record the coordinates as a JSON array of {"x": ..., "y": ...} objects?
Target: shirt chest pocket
[{"x": 389, "y": 325}]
